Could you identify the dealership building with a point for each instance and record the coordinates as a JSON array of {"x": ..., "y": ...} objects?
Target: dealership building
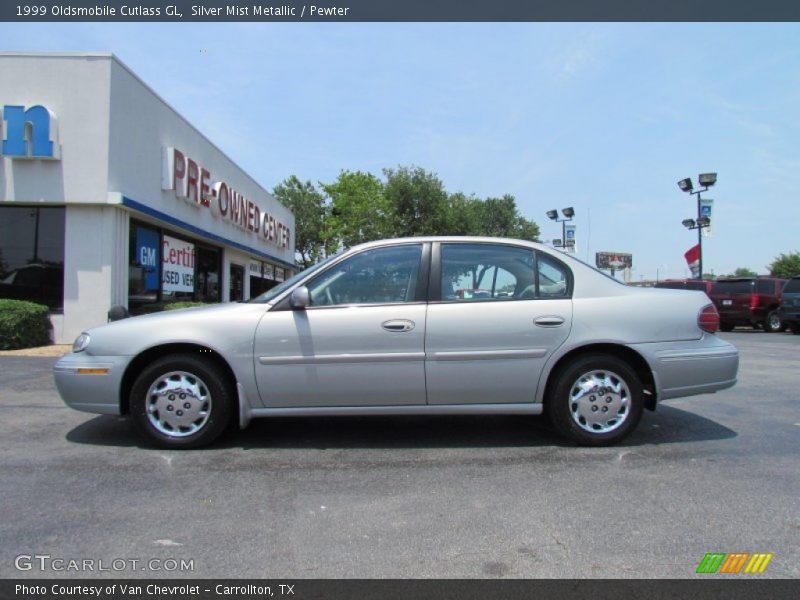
[{"x": 109, "y": 197}]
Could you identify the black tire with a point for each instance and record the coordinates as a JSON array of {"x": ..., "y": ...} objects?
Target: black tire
[
  {"x": 723, "y": 326},
  {"x": 773, "y": 322},
  {"x": 208, "y": 395},
  {"x": 560, "y": 408},
  {"x": 795, "y": 328}
]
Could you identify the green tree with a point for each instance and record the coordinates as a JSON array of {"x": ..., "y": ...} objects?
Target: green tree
[
  {"x": 743, "y": 272},
  {"x": 463, "y": 215},
  {"x": 310, "y": 212},
  {"x": 360, "y": 211},
  {"x": 785, "y": 265},
  {"x": 501, "y": 218},
  {"x": 418, "y": 200}
]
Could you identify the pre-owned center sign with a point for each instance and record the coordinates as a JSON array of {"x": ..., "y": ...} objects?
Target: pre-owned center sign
[{"x": 194, "y": 184}]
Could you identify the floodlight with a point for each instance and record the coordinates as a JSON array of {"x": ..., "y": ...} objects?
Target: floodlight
[
  {"x": 568, "y": 212},
  {"x": 703, "y": 222},
  {"x": 688, "y": 223},
  {"x": 686, "y": 184},
  {"x": 552, "y": 214},
  {"x": 707, "y": 179}
]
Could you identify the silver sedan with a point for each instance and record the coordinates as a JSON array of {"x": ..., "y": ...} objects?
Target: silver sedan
[{"x": 410, "y": 326}]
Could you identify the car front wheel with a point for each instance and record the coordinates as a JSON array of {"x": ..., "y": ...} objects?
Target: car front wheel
[
  {"x": 181, "y": 401},
  {"x": 596, "y": 401}
]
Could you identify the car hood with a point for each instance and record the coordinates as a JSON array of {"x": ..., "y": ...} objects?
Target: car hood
[{"x": 218, "y": 326}]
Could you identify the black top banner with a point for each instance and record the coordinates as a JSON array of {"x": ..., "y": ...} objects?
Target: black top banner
[{"x": 401, "y": 10}]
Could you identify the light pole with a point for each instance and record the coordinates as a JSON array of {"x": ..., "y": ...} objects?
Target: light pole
[
  {"x": 706, "y": 180},
  {"x": 568, "y": 213}
]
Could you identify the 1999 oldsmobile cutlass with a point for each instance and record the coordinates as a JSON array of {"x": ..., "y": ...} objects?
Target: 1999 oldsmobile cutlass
[{"x": 411, "y": 326}]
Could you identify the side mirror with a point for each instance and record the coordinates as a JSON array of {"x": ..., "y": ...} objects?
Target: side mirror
[{"x": 300, "y": 298}]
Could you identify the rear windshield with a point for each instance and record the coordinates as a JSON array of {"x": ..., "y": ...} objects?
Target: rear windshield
[
  {"x": 733, "y": 287},
  {"x": 792, "y": 286}
]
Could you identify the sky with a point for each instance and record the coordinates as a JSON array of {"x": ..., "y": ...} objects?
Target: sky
[{"x": 602, "y": 117}]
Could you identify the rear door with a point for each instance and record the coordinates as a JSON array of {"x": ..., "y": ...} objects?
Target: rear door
[{"x": 496, "y": 314}]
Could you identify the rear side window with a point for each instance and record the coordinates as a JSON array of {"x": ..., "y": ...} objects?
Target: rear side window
[
  {"x": 733, "y": 287},
  {"x": 553, "y": 278},
  {"x": 765, "y": 286},
  {"x": 792, "y": 286},
  {"x": 481, "y": 272}
]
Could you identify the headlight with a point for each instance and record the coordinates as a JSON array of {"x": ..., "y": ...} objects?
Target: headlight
[{"x": 81, "y": 342}]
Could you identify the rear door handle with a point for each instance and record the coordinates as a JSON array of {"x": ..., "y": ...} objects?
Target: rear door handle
[
  {"x": 398, "y": 325},
  {"x": 549, "y": 321}
]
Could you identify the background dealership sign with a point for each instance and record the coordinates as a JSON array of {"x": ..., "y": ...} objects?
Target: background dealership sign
[
  {"x": 178, "y": 265},
  {"x": 30, "y": 132},
  {"x": 193, "y": 183}
]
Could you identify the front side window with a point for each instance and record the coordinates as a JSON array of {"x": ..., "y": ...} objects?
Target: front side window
[
  {"x": 480, "y": 272},
  {"x": 378, "y": 276}
]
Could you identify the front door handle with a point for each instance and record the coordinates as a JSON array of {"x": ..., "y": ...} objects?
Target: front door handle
[
  {"x": 549, "y": 321},
  {"x": 398, "y": 325}
]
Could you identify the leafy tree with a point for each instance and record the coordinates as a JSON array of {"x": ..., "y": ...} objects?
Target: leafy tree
[
  {"x": 418, "y": 200},
  {"x": 785, "y": 265},
  {"x": 463, "y": 215},
  {"x": 501, "y": 218},
  {"x": 360, "y": 211},
  {"x": 743, "y": 272},
  {"x": 310, "y": 213}
]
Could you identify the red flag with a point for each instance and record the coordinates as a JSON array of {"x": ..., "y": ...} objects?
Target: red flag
[{"x": 693, "y": 260}]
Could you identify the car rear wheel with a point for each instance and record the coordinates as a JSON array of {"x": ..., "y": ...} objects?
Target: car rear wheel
[
  {"x": 723, "y": 326},
  {"x": 596, "y": 400},
  {"x": 181, "y": 401},
  {"x": 773, "y": 324}
]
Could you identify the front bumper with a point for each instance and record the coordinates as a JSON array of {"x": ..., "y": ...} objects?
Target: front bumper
[
  {"x": 91, "y": 383},
  {"x": 692, "y": 367}
]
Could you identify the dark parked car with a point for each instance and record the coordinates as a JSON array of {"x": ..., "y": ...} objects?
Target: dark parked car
[
  {"x": 41, "y": 283},
  {"x": 790, "y": 305},
  {"x": 752, "y": 301},
  {"x": 701, "y": 285}
]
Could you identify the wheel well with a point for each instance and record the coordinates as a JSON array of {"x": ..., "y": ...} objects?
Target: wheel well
[
  {"x": 138, "y": 364},
  {"x": 633, "y": 358}
]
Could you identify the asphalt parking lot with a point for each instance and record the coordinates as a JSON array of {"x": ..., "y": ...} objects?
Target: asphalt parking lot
[{"x": 411, "y": 497}]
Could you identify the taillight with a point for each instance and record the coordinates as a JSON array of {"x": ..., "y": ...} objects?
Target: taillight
[
  {"x": 753, "y": 301},
  {"x": 708, "y": 318}
]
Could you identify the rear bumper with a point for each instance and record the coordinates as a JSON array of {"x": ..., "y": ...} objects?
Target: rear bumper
[
  {"x": 689, "y": 368},
  {"x": 90, "y": 383}
]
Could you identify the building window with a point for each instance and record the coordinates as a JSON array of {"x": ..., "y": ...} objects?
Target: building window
[
  {"x": 32, "y": 254},
  {"x": 209, "y": 261},
  {"x": 144, "y": 270},
  {"x": 164, "y": 267}
]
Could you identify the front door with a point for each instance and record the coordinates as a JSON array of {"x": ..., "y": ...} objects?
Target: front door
[
  {"x": 501, "y": 313},
  {"x": 361, "y": 342}
]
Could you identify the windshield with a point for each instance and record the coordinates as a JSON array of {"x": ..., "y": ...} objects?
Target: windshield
[{"x": 269, "y": 295}]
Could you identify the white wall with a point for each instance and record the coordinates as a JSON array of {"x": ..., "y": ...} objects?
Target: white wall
[
  {"x": 76, "y": 89},
  {"x": 96, "y": 248}
]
